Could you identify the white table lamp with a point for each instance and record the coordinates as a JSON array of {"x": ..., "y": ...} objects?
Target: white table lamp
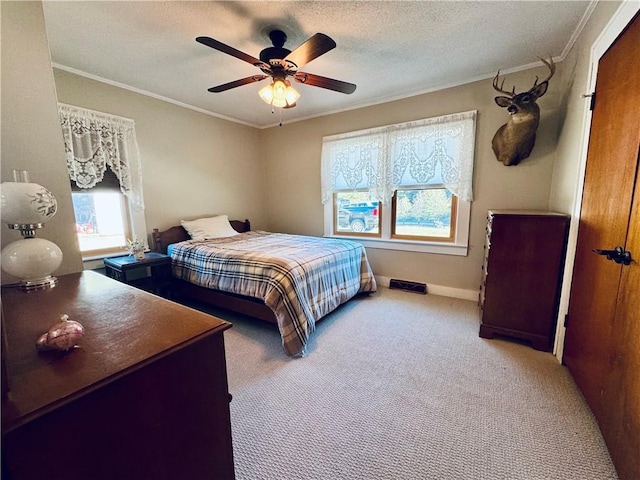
[{"x": 25, "y": 207}]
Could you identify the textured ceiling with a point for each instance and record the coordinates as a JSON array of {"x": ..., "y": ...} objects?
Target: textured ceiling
[{"x": 388, "y": 49}]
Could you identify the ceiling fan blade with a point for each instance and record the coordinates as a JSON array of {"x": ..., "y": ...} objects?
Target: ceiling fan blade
[
  {"x": 215, "y": 44},
  {"x": 317, "y": 45},
  {"x": 238, "y": 83},
  {"x": 324, "y": 82}
]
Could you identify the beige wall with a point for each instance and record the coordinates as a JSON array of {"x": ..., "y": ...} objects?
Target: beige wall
[
  {"x": 568, "y": 171},
  {"x": 292, "y": 156},
  {"x": 192, "y": 164},
  {"x": 187, "y": 153},
  {"x": 31, "y": 136},
  {"x": 195, "y": 164},
  {"x": 567, "y": 167}
]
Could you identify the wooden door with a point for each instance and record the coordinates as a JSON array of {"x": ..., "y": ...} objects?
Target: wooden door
[
  {"x": 622, "y": 385},
  {"x": 602, "y": 346}
]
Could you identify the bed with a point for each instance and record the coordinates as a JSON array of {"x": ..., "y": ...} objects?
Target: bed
[{"x": 289, "y": 280}]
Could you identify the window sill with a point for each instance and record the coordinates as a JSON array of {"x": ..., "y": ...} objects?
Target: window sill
[
  {"x": 90, "y": 258},
  {"x": 408, "y": 245}
]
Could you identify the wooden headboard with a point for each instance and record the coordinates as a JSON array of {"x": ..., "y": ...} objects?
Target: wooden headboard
[{"x": 178, "y": 234}]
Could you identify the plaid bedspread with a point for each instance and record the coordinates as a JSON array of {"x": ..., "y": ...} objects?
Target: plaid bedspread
[{"x": 299, "y": 278}]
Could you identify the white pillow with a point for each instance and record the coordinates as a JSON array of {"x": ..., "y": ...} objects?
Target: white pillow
[{"x": 211, "y": 227}]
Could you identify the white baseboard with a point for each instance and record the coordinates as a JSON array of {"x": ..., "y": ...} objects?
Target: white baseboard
[{"x": 439, "y": 290}]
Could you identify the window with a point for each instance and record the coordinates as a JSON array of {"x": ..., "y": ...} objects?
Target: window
[
  {"x": 102, "y": 218},
  {"x": 404, "y": 187},
  {"x": 427, "y": 214},
  {"x": 356, "y": 212},
  {"x": 104, "y": 168}
]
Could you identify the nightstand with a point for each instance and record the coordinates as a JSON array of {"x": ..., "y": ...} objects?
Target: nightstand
[{"x": 152, "y": 273}]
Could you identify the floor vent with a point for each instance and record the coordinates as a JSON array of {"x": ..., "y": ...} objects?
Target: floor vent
[{"x": 408, "y": 286}]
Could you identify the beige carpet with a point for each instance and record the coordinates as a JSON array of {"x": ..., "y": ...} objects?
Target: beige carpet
[{"x": 399, "y": 386}]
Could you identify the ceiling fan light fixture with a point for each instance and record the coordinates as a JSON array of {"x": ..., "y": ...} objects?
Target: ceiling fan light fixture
[
  {"x": 279, "y": 102},
  {"x": 279, "y": 63},
  {"x": 291, "y": 95},
  {"x": 279, "y": 94},
  {"x": 266, "y": 94},
  {"x": 279, "y": 89}
]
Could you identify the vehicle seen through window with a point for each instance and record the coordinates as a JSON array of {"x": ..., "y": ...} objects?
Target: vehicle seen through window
[{"x": 420, "y": 213}]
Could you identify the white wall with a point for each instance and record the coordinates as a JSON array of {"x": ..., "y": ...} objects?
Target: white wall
[{"x": 31, "y": 135}]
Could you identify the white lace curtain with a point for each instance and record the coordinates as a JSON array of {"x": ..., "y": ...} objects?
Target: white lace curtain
[
  {"x": 94, "y": 140},
  {"x": 433, "y": 151}
]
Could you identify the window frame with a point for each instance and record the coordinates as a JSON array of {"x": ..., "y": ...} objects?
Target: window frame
[
  {"x": 368, "y": 159},
  {"x": 116, "y": 138},
  {"x": 126, "y": 221},
  {"x": 458, "y": 247},
  {"x": 424, "y": 238},
  {"x": 134, "y": 225},
  {"x": 350, "y": 234}
]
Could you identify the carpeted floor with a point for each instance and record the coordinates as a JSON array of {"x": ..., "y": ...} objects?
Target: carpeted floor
[{"x": 399, "y": 386}]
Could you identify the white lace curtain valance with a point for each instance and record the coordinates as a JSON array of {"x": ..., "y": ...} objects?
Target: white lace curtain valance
[
  {"x": 426, "y": 152},
  {"x": 354, "y": 163},
  {"x": 95, "y": 140}
]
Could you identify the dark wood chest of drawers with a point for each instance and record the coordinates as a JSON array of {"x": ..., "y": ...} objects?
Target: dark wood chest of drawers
[
  {"x": 522, "y": 275},
  {"x": 144, "y": 397}
]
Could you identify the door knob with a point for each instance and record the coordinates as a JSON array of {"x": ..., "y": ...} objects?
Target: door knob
[{"x": 618, "y": 255}]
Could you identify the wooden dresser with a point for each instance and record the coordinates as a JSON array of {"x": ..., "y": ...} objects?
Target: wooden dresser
[
  {"x": 522, "y": 275},
  {"x": 145, "y": 397}
]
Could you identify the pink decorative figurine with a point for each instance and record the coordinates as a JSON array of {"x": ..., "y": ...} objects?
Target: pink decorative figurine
[{"x": 63, "y": 336}]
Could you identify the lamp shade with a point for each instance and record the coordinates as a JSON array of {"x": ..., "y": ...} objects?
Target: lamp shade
[
  {"x": 266, "y": 94},
  {"x": 279, "y": 89},
  {"x": 291, "y": 95},
  {"x": 26, "y": 203}
]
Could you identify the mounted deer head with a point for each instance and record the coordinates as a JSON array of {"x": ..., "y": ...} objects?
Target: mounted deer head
[{"x": 514, "y": 140}]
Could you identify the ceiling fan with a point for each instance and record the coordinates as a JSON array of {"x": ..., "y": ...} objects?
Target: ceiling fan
[{"x": 279, "y": 63}]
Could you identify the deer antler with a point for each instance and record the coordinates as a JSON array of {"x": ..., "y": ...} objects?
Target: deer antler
[
  {"x": 552, "y": 70},
  {"x": 495, "y": 86}
]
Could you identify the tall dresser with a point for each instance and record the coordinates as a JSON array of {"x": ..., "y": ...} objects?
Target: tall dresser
[
  {"x": 522, "y": 275},
  {"x": 144, "y": 397}
]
